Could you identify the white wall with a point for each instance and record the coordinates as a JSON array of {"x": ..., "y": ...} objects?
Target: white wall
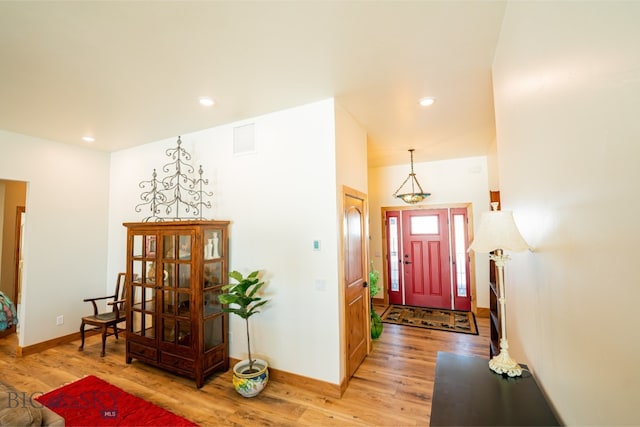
[
  {"x": 279, "y": 199},
  {"x": 448, "y": 181},
  {"x": 492, "y": 166},
  {"x": 65, "y": 240},
  {"x": 567, "y": 91},
  {"x": 351, "y": 151}
]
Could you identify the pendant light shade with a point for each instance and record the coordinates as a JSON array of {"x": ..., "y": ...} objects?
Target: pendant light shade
[{"x": 414, "y": 196}]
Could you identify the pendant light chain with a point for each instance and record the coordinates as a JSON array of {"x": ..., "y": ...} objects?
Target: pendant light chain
[{"x": 412, "y": 197}]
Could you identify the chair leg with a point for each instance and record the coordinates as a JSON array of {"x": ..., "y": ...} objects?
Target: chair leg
[
  {"x": 115, "y": 331},
  {"x": 104, "y": 339},
  {"x": 82, "y": 335}
]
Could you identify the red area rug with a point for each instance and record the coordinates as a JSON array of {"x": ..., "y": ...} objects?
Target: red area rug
[{"x": 91, "y": 401}]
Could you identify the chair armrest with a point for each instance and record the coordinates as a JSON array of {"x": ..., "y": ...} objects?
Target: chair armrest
[
  {"x": 96, "y": 299},
  {"x": 93, "y": 301},
  {"x": 116, "y": 306}
]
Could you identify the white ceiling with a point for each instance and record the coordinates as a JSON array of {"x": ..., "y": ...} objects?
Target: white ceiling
[{"x": 129, "y": 73}]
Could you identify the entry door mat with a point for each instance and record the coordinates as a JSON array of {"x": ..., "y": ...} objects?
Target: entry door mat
[
  {"x": 91, "y": 401},
  {"x": 431, "y": 318}
]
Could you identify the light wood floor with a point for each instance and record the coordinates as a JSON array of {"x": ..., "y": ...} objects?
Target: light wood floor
[{"x": 391, "y": 388}]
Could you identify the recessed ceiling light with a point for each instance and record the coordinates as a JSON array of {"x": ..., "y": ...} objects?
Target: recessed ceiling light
[
  {"x": 425, "y": 102},
  {"x": 88, "y": 139},
  {"x": 206, "y": 101}
]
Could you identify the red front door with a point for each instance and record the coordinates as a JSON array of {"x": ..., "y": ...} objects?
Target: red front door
[{"x": 425, "y": 260}]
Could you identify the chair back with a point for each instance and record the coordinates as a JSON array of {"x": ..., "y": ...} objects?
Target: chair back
[{"x": 120, "y": 294}]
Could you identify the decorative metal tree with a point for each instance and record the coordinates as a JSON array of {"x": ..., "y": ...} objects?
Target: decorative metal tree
[
  {"x": 177, "y": 196},
  {"x": 198, "y": 196}
]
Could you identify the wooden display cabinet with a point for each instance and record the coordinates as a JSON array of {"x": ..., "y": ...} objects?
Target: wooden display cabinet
[{"x": 175, "y": 270}]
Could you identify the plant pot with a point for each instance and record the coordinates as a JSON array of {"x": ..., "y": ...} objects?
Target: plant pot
[
  {"x": 376, "y": 325},
  {"x": 250, "y": 384}
]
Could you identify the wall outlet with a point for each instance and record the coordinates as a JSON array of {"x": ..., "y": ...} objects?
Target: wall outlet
[{"x": 59, "y": 320}]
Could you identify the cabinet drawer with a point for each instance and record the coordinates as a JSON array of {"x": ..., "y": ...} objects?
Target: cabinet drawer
[
  {"x": 177, "y": 362},
  {"x": 214, "y": 357},
  {"x": 142, "y": 351}
]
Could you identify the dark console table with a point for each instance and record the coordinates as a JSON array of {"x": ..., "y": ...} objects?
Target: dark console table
[{"x": 467, "y": 393}]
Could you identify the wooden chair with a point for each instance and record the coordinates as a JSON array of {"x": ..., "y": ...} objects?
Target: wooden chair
[{"x": 103, "y": 321}]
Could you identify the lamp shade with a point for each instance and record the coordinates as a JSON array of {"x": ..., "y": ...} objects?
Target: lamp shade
[{"x": 498, "y": 231}]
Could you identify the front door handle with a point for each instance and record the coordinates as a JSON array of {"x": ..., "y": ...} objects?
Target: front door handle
[
  {"x": 364, "y": 284},
  {"x": 408, "y": 262}
]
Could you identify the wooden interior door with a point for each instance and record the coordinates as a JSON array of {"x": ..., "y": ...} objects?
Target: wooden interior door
[
  {"x": 355, "y": 274},
  {"x": 427, "y": 280}
]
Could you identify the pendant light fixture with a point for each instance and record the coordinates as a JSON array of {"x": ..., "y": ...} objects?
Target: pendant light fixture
[{"x": 413, "y": 197}]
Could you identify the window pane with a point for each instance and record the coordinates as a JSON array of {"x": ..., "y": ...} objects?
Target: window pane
[
  {"x": 424, "y": 224},
  {"x": 168, "y": 302},
  {"x": 184, "y": 277},
  {"x": 394, "y": 273},
  {"x": 212, "y": 274},
  {"x": 169, "y": 273},
  {"x": 183, "y": 304},
  {"x": 185, "y": 247},
  {"x": 168, "y": 330},
  {"x": 461, "y": 255},
  {"x": 137, "y": 297},
  {"x": 149, "y": 299},
  {"x": 212, "y": 246},
  {"x": 211, "y": 304},
  {"x": 137, "y": 267},
  {"x": 137, "y": 246},
  {"x": 184, "y": 333},
  {"x": 168, "y": 246},
  {"x": 150, "y": 246},
  {"x": 213, "y": 332}
]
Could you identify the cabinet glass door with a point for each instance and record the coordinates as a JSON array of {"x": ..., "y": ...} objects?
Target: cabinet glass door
[
  {"x": 143, "y": 286},
  {"x": 176, "y": 290},
  {"x": 212, "y": 283}
]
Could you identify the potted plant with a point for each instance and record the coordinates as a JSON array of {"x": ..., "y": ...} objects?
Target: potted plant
[
  {"x": 250, "y": 376},
  {"x": 376, "y": 321}
]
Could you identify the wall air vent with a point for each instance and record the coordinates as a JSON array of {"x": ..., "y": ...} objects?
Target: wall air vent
[{"x": 244, "y": 139}]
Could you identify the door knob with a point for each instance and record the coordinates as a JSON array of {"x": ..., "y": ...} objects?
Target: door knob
[{"x": 364, "y": 284}]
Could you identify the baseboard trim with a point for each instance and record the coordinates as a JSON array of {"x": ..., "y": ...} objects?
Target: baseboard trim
[
  {"x": 483, "y": 312},
  {"x": 310, "y": 384},
  {"x": 45, "y": 345}
]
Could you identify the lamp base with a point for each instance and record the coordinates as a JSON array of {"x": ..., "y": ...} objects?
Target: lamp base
[{"x": 504, "y": 364}]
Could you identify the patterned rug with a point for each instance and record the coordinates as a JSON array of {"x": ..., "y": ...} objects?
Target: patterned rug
[{"x": 431, "y": 318}]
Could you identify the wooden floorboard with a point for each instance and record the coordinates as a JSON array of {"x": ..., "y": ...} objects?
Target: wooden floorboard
[{"x": 392, "y": 387}]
